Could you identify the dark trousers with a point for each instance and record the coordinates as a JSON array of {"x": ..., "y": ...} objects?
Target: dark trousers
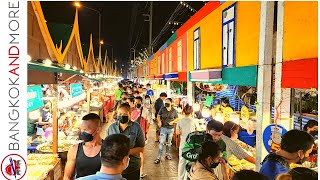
[{"x": 132, "y": 176}]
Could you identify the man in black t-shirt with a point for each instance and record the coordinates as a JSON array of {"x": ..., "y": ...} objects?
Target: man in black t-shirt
[
  {"x": 165, "y": 119},
  {"x": 158, "y": 105}
]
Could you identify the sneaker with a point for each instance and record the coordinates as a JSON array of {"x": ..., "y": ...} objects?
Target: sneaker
[
  {"x": 157, "y": 161},
  {"x": 168, "y": 157},
  {"x": 143, "y": 175}
]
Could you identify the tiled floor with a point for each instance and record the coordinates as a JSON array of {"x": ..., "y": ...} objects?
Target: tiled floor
[{"x": 166, "y": 169}]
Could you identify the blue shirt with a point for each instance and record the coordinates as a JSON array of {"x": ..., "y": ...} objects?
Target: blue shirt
[
  {"x": 247, "y": 138},
  {"x": 102, "y": 176},
  {"x": 272, "y": 168}
]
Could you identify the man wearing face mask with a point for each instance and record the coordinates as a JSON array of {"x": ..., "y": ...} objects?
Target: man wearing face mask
[
  {"x": 114, "y": 158},
  {"x": 295, "y": 148},
  {"x": 166, "y": 116},
  {"x": 209, "y": 154},
  {"x": 84, "y": 158},
  {"x": 157, "y": 106},
  {"x": 132, "y": 130}
]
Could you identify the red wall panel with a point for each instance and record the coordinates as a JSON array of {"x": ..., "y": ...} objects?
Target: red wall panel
[
  {"x": 300, "y": 74},
  {"x": 203, "y": 12}
]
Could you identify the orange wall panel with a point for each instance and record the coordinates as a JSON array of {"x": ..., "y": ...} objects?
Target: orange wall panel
[{"x": 300, "y": 30}]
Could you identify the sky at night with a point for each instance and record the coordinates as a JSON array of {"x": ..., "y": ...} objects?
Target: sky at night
[{"x": 122, "y": 23}]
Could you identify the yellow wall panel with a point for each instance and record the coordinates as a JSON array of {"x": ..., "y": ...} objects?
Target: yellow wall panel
[
  {"x": 247, "y": 33},
  {"x": 247, "y": 36},
  {"x": 300, "y": 36}
]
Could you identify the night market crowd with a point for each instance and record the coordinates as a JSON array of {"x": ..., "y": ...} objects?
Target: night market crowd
[{"x": 202, "y": 154}]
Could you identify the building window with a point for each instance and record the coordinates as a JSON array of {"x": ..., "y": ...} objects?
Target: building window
[
  {"x": 228, "y": 36},
  {"x": 179, "y": 56},
  {"x": 170, "y": 60},
  {"x": 196, "y": 49},
  {"x": 162, "y": 63}
]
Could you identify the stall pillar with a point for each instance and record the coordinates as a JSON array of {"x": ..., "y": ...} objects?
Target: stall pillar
[
  {"x": 88, "y": 100},
  {"x": 264, "y": 76},
  {"x": 54, "y": 126},
  {"x": 190, "y": 92},
  {"x": 169, "y": 88},
  {"x": 282, "y": 101}
]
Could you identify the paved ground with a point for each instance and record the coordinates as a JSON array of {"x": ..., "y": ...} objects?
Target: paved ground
[{"x": 166, "y": 169}]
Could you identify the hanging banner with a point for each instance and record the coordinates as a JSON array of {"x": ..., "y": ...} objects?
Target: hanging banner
[
  {"x": 272, "y": 136},
  {"x": 34, "y": 98},
  {"x": 75, "y": 89}
]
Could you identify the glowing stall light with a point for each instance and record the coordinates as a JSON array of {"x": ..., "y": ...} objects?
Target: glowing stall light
[
  {"x": 74, "y": 68},
  {"x": 67, "y": 66},
  {"x": 196, "y": 107},
  {"x": 47, "y": 62},
  {"x": 71, "y": 101},
  {"x": 234, "y": 117},
  {"x": 29, "y": 58},
  {"x": 85, "y": 74},
  {"x": 34, "y": 114},
  {"x": 219, "y": 117},
  {"x": 206, "y": 113}
]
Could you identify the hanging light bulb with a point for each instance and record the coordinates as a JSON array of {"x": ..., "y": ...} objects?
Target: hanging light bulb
[
  {"x": 81, "y": 71},
  {"x": 29, "y": 58},
  {"x": 74, "y": 68},
  {"x": 47, "y": 62},
  {"x": 67, "y": 66}
]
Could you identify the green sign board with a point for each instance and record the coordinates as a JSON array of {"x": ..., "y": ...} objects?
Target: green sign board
[
  {"x": 34, "y": 98},
  {"x": 75, "y": 89}
]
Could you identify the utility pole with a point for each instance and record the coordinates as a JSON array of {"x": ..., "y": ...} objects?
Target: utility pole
[{"x": 150, "y": 27}]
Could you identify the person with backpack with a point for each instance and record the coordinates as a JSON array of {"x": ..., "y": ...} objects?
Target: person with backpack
[
  {"x": 140, "y": 115},
  {"x": 190, "y": 151},
  {"x": 185, "y": 126},
  {"x": 295, "y": 147}
]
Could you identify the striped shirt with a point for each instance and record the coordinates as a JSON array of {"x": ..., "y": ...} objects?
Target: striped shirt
[{"x": 233, "y": 148}]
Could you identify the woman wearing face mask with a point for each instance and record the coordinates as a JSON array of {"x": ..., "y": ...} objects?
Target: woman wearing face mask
[
  {"x": 148, "y": 106},
  {"x": 210, "y": 153},
  {"x": 84, "y": 158},
  {"x": 166, "y": 116},
  {"x": 311, "y": 127},
  {"x": 132, "y": 130},
  {"x": 230, "y": 137}
]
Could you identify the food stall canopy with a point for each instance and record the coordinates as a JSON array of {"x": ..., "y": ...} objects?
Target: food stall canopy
[
  {"x": 170, "y": 76},
  {"x": 41, "y": 67},
  {"x": 206, "y": 75}
]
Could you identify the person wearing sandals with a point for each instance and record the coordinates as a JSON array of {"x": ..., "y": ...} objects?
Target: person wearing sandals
[{"x": 166, "y": 117}]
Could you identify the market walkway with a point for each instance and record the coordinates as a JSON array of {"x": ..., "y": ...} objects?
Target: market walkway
[{"x": 165, "y": 170}]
